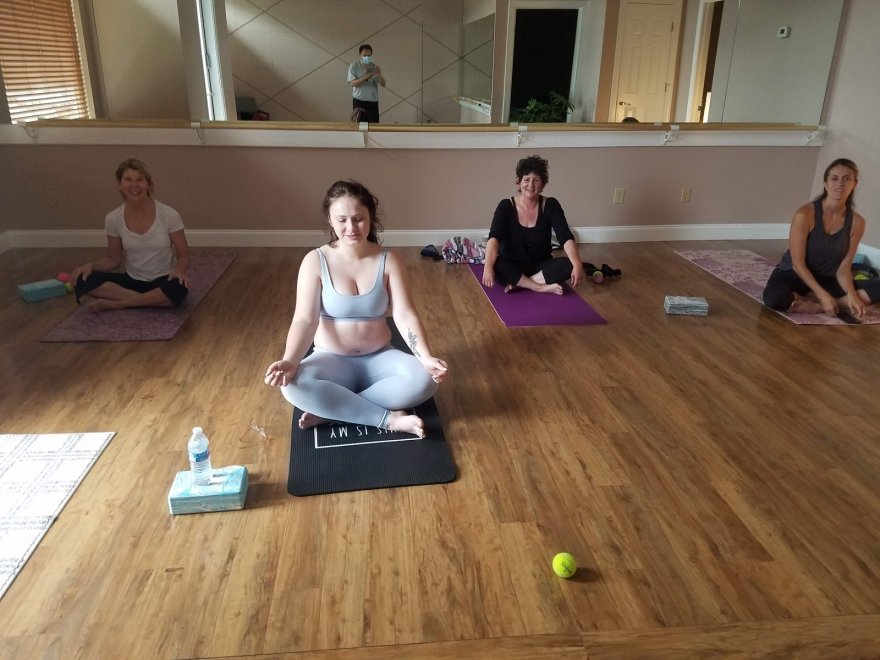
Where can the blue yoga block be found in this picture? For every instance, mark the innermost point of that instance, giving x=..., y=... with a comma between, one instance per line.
x=226, y=492
x=41, y=290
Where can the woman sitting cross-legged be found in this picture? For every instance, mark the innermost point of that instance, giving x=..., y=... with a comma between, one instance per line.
x=815, y=273
x=146, y=237
x=343, y=292
x=518, y=252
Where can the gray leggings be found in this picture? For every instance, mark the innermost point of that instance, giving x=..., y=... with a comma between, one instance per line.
x=359, y=389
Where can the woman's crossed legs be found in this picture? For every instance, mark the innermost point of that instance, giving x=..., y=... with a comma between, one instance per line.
x=372, y=390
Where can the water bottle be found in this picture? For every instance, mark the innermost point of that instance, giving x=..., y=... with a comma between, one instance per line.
x=199, y=458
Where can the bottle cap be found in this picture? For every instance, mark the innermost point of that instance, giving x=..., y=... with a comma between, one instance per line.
x=197, y=429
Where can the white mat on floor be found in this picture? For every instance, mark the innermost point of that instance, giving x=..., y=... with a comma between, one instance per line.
x=38, y=474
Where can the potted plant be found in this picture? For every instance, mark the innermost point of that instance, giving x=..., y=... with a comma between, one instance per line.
x=554, y=111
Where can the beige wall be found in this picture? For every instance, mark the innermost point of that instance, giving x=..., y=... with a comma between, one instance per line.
x=141, y=59
x=781, y=80
x=851, y=110
x=72, y=187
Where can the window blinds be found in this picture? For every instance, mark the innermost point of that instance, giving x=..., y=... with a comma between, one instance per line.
x=39, y=60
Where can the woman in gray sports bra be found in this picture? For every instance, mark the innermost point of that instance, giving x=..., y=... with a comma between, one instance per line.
x=815, y=273
x=343, y=292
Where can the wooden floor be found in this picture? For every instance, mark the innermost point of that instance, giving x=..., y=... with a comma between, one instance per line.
x=718, y=480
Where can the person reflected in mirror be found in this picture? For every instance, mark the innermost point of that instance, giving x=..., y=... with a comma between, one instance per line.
x=343, y=292
x=147, y=238
x=518, y=252
x=365, y=76
x=815, y=273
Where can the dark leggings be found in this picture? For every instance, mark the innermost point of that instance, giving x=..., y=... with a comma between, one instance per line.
x=172, y=288
x=555, y=270
x=783, y=284
x=370, y=108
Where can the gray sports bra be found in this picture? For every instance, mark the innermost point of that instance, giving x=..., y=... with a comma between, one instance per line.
x=367, y=306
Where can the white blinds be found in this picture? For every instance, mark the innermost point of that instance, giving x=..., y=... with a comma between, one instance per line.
x=39, y=59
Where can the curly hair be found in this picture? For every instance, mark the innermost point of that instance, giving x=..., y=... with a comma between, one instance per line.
x=533, y=165
x=358, y=191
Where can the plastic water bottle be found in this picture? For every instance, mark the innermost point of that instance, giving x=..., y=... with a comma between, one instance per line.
x=199, y=458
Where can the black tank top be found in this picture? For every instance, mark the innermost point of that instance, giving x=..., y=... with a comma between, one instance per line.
x=824, y=252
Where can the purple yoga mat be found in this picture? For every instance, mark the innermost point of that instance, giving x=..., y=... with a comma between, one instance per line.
x=527, y=309
x=146, y=324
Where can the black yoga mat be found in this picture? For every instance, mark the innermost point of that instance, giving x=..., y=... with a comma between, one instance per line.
x=338, y=457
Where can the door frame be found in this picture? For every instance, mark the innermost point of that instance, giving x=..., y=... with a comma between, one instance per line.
x=700, y=62
x=574, y=88
x=672, y=66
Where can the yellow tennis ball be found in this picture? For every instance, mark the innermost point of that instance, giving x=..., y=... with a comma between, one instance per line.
x=564, y=565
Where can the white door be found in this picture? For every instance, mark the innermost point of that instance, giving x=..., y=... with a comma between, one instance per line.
x=644, y=68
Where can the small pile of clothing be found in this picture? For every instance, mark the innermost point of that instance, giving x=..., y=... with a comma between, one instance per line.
x=457, y=250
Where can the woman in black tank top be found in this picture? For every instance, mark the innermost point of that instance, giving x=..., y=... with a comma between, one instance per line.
x=815, y=273
x=518, y=251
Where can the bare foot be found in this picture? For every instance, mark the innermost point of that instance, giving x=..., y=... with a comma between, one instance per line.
x=551, y=288
x=510, y=287
x=804, y=305
x=399, y=420
x=308, y=420
x=100, y=305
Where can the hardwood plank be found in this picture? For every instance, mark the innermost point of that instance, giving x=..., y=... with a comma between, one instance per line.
x=833, y=637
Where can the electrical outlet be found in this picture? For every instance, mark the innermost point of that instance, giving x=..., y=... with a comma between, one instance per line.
x=618, y=195
x=685, y=195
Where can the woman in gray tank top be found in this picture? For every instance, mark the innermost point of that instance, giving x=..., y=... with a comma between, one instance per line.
x=343, y=293
x=815, y=273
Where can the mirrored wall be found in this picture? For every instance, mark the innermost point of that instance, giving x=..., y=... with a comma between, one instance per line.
x=292, y=57
x=459, y=61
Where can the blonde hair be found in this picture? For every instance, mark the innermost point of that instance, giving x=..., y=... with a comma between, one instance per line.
x=137, y=166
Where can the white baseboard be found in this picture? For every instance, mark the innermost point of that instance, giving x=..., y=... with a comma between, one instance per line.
x=706, y=232
x=19, y=238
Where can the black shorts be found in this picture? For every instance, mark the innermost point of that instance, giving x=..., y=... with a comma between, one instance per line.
x=172, y=288
x=370, y=110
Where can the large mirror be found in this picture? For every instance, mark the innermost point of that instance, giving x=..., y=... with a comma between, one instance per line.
x=290, y=59
x=764, y=61
x=482, y=61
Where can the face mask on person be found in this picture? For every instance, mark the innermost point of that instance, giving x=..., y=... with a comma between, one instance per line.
x=367, y=59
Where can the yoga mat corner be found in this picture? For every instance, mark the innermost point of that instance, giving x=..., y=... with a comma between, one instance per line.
x=39, y=473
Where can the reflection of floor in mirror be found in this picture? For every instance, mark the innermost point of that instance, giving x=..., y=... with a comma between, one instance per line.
x=643, y=447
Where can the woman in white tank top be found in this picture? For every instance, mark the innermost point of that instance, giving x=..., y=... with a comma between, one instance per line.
x=147, y=238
